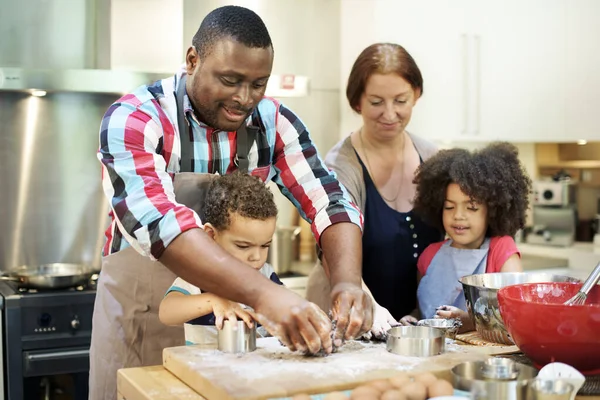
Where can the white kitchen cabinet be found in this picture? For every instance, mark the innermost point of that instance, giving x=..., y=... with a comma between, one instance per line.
x=519, y=49
x=583, y=70
x=492, y=70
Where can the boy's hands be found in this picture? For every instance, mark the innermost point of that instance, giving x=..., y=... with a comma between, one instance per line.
x=449, y=312
x=229, y=310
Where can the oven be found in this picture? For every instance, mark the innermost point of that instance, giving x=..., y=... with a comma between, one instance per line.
x=46, y=340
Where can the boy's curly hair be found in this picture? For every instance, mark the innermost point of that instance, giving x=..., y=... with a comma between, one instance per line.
x=493, y=176
x=238, y=193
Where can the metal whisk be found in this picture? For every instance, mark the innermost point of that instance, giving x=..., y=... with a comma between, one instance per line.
x=590, y=282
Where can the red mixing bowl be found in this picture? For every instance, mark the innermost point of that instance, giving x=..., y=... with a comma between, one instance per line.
x=548, y=331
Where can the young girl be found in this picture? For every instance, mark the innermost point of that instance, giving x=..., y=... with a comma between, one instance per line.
x=480, y=199
x=240, y=215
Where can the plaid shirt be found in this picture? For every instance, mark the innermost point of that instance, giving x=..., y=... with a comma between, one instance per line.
x=140, y=155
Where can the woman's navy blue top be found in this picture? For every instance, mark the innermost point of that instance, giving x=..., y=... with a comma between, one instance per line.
x=392, y=243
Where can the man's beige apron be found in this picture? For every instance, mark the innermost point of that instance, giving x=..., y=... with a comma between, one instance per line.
x=126, y=331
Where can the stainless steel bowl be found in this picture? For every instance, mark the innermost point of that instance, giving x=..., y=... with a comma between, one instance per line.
x=449, y=326
x=481, y=294
x=236, y=337
x=470, y=377
x=415, y=341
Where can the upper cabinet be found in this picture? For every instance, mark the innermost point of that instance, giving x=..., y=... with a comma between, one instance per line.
x=583, y=69
x=517, y=70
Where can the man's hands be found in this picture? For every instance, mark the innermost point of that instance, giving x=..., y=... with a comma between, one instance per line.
x=228, y=310
x=352, y=308
x=300, y=325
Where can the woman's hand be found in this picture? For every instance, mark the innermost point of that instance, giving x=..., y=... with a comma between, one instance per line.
x=229, y=310
x=408, y=320
x=382, y=322
x=451, y=312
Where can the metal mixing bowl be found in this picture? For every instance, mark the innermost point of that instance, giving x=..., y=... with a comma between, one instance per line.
x=481, y=292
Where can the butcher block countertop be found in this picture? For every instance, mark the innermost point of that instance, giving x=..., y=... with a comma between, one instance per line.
x=274, y=372
x=156, y=383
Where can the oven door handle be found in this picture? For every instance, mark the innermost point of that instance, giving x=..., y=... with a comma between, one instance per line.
x=57, y=355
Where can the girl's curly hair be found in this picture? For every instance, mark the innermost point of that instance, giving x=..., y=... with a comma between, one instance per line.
x=238, y=193
x=493, y=176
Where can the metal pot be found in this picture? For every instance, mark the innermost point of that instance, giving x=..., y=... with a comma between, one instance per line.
x=281, y=250
x=49, y=276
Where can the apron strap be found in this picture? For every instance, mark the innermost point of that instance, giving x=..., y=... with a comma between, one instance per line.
x=245, y=137
x=187, y=147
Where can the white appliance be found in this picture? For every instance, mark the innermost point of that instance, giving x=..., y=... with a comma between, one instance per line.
x=553, y=193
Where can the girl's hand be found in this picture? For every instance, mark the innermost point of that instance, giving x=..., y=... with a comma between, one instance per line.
x=228, y=310
x=451, y=312
x=408, y=320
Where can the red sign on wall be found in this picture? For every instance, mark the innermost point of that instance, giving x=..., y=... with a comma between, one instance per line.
x=287, y=82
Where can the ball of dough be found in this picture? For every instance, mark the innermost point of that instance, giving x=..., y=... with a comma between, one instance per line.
x=393, y=394
x=400, y=380
x=335, y=396
x=382, y=385
x=415, y=391
x=440, y=388
x=365, y=392
x=426, y=378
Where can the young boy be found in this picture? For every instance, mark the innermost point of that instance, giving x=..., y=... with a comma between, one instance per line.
x=240, y=215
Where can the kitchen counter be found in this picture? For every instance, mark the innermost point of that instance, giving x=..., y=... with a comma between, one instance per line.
x=581, y=258
x=156, y=383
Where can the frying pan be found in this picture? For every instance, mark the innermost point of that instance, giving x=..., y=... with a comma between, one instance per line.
x=49, y=276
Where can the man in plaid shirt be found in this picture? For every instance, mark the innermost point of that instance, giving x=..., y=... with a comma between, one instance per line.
x=159, y=146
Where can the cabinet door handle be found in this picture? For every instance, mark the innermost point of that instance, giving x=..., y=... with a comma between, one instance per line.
x=465, y=51
x=477, y=84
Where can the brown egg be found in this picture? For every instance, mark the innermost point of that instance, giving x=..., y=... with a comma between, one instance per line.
x=393, y=394
x=440, y=388
x=400, y=380
x=415, y=391
x=301, y=397
x=365, y=392
x=426, y=378
x=382, y=385
x=335, y=396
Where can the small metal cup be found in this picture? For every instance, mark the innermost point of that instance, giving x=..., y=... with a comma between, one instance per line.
x=236, y=337
x=416, y=341
x=499, y=369
x=550, y=389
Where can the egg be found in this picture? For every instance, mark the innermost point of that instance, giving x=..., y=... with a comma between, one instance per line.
x=393, y=394
x=365, y=392
x=301, y=397
x=335, y=396
x=415, y=391
x=440, y=388
x=382, y=385
x=400, y=380
x=426, y=378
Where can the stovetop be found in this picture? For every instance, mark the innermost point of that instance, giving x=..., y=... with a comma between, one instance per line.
x=11, y=292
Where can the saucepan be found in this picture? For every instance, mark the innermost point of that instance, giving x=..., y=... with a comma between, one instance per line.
x=49, y=276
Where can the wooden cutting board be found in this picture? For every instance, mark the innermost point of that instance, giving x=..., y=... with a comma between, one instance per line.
x=272, y=371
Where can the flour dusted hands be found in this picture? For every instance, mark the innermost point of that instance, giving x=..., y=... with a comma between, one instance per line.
x=382, y=322
x=352, y=308
x=299, y=324
x=229, y=310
